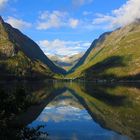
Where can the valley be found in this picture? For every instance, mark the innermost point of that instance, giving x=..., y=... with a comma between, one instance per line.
x=114, y=56
x=69, y=70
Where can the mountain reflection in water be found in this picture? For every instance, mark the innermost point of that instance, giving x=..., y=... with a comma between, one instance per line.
x=66, y=119
x=82, y=111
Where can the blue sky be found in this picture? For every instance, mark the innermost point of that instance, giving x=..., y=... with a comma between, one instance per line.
x=67, y=27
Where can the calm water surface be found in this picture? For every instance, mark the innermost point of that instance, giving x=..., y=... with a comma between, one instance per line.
x=73, y=111
x=66, y=118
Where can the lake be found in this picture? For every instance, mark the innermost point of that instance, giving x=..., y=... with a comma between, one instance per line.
x=55, y=110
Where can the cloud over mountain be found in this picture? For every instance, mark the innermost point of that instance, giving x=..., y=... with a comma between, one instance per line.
x=126, y=14
x=62, y=47
x=18, y=23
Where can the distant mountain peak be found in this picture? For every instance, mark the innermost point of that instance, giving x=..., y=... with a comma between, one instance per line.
x=66, y=62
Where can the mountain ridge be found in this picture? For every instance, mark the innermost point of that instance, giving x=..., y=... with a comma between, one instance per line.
x=66, y=62
x=116, y=58
x=94, y=44
x=114, y=55
x=14, y=43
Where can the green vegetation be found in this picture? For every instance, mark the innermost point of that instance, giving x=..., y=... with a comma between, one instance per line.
x=116, y=57
x=20, y=57
x=21, y=66
x=15, y=99
x=115, y=107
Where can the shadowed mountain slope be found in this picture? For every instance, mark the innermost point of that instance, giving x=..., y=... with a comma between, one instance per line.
x=115, y=55
x=17, y=48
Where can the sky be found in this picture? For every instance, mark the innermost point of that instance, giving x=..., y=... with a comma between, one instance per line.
x=67, y=27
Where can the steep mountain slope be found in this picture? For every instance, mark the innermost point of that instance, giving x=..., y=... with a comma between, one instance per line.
x=95, y=43
x=66, y=62
x=19, y=55
x=117, y=56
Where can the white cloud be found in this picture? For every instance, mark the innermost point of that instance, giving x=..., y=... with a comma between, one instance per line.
x=18, y=23
x=81, y=2
x=126, y=14
x=61, y=47
x=56, y=19
x=73, y=22
x=63, y=113
x=51, y=19
x=2, y=3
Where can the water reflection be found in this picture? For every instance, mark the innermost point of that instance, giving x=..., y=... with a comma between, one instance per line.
x=67, y=119
x=15, y=99
x=73, y=110
x=63, y=108
x=119, y=115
